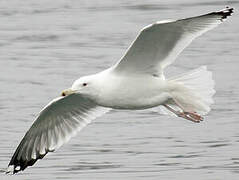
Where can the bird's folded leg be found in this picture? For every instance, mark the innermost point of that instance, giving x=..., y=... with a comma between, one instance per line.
x=191, y=116
x=194, y=115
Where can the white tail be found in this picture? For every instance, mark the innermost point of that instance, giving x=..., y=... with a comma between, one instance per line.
x=193, y=91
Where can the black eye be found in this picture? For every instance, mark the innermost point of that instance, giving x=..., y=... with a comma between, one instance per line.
x=84, y=84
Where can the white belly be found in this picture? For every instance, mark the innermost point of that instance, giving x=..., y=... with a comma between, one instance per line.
x=136, y=103
x=133, y=92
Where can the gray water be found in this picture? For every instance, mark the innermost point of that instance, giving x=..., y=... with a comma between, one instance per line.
x=45, y=45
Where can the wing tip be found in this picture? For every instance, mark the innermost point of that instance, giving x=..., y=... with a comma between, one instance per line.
x=224, y=13
x=17, y=165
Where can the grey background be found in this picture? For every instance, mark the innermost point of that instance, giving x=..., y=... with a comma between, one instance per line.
x=45, y=45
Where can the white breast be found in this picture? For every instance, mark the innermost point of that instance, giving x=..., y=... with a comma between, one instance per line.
x=131, y=92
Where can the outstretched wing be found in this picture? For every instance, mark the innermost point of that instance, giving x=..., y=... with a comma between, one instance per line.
x=158, y=45
x=61, y=119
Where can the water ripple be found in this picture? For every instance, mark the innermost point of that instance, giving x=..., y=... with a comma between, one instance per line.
x=38, y=37
x=93, y=166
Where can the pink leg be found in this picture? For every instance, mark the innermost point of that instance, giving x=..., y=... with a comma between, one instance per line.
x=192, y=116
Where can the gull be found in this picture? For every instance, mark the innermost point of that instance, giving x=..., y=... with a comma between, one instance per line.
x=135, y=82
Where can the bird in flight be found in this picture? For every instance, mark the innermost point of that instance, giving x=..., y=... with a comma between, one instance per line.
x=135, y=82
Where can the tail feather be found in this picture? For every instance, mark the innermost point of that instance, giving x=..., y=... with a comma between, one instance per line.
x=194, y=90
x=200, y=81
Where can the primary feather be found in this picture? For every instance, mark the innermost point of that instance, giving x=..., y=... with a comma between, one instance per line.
x=61, y=119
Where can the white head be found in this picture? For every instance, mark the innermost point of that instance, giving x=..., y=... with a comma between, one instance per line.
x=85, y=86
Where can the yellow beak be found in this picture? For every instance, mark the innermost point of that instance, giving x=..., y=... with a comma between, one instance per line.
x=67, y=92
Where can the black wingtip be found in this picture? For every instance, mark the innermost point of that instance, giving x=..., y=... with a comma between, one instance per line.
x=224, y=13
x=21, y=165
x=18, y=163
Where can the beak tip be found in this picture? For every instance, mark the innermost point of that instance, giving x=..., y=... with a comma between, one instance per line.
x=67, y=92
